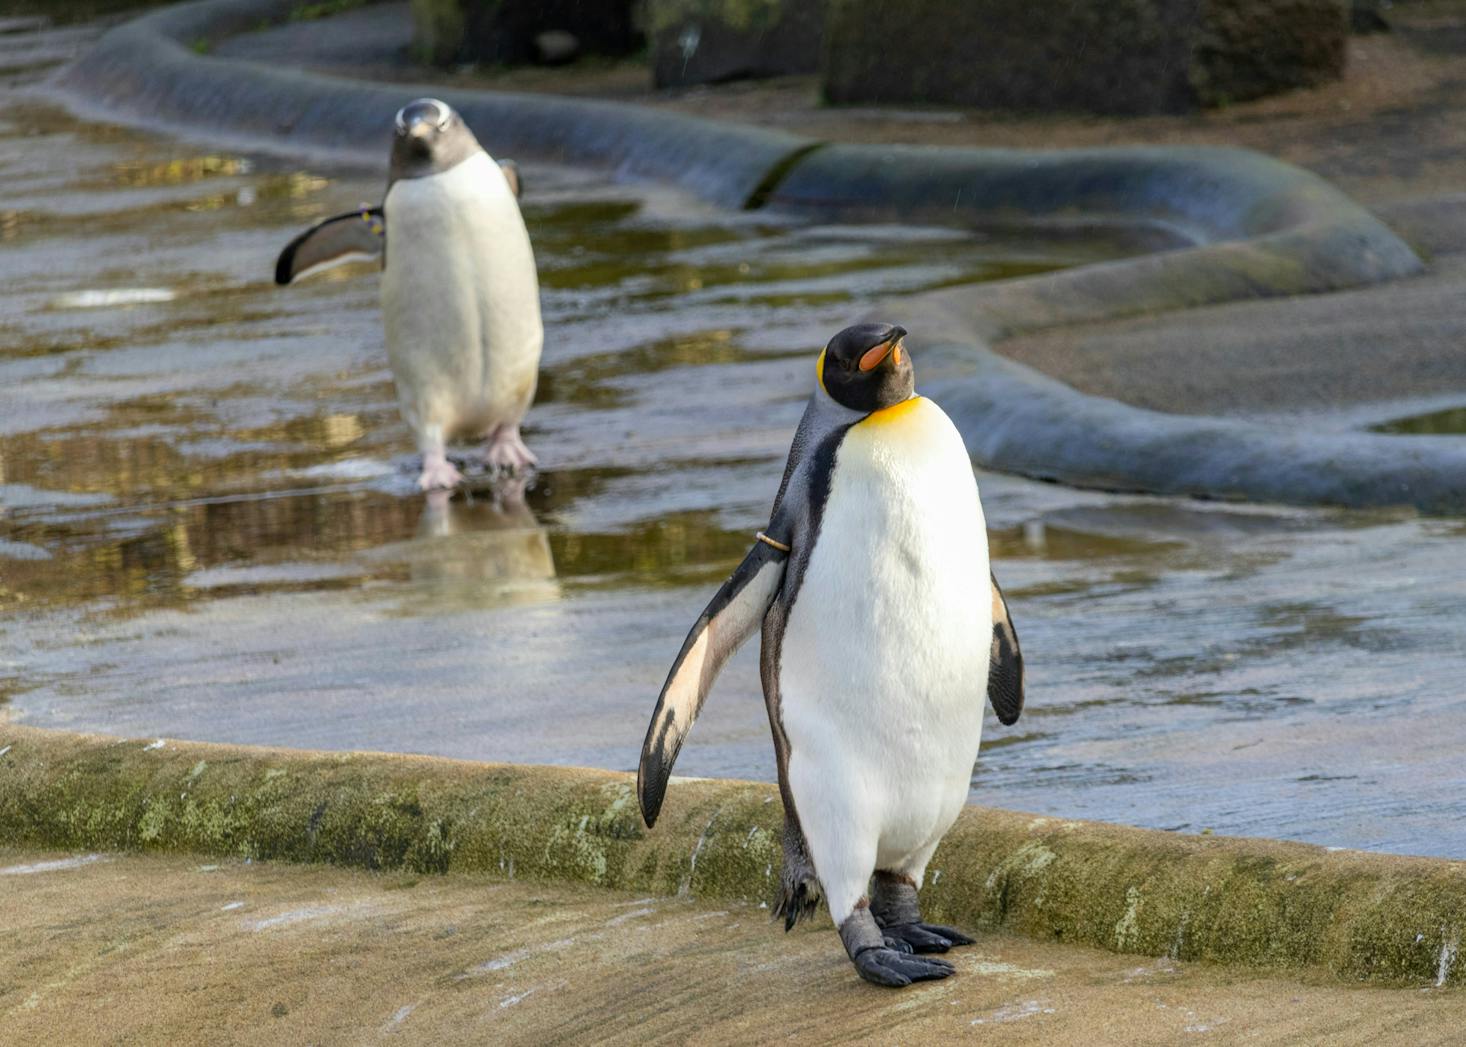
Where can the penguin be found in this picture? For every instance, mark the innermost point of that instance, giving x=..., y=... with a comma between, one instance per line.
x=460, y=295
x=883, y=628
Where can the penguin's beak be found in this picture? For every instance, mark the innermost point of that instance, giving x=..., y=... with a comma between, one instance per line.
x=874, y=357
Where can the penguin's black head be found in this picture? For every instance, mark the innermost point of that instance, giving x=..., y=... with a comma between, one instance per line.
x=430, y=138
x=866, y=368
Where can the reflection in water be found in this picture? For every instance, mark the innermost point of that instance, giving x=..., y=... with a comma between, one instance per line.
x=476, y=549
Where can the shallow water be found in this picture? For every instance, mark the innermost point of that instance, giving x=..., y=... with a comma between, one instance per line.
x=208, y=527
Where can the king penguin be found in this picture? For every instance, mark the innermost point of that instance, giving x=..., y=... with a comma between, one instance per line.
x=883, y=630
x=460, y=296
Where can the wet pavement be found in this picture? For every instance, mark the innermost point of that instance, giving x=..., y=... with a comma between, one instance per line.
x=208, y=527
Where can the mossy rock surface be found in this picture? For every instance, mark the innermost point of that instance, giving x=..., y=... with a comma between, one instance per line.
x=1241, y=901
x=1108, y=56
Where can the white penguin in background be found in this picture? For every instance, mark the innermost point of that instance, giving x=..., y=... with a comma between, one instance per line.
x=883, y=632
x=460, y=296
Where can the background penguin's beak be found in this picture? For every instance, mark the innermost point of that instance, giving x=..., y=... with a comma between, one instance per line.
x=418, y=135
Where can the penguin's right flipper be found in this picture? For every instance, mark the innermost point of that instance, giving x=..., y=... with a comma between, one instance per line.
x=513, y=177
x=357, y=236
x=1005, y=668
x=735, y=612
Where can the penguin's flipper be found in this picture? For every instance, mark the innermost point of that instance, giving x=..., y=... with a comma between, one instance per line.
x=1005, y=670
x=735, y=612
x=513, y=177
x=357, y=236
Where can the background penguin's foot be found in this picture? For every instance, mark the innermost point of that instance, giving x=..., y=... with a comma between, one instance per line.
x=506, y=451
x=438, y=473
x=510, y=490
x=884, y=966
x=923, y=937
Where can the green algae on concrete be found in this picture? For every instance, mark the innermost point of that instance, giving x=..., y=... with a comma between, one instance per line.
x=1230, y=900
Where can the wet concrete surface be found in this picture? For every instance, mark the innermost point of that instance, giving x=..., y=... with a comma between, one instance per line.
x=179, y=949
x=208, y=527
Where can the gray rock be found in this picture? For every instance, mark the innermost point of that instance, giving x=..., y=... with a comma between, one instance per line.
x=1106, y=56
x=449, y=32
x=556, y=47
x=711, y=41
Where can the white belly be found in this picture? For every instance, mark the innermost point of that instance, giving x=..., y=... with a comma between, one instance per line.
x=885, y=654
x=460, y=300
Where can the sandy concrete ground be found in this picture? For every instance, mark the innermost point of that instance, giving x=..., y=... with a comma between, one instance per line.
x=166, y=949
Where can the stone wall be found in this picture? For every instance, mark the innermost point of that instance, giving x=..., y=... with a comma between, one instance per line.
x=709, y=41
x=1106, y=56
x=448, y=32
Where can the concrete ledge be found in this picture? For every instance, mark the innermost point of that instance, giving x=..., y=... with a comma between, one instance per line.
x=1230, y=900
x=1234, y=224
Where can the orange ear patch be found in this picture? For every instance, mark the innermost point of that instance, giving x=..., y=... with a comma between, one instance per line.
x=872, y=357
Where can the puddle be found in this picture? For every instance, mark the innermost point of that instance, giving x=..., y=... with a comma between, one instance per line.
x=208, y=526
x=1450, y=422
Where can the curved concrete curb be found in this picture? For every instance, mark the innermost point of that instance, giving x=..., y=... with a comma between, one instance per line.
x=1246, y=226
x=1236, y=225
x=151, y=69
x=1231, y=900
x=1017, y=420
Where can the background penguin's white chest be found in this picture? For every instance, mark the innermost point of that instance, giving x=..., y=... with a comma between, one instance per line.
x=884, y=661
x=460, y=298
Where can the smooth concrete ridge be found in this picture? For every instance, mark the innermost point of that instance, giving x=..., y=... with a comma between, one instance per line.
x=1015, y=419
x=156, y=70
x=1221, y=225
x=1240, y=901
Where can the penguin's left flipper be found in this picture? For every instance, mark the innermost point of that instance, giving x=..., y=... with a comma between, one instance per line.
x=513, y=177
x=735, y=612
x=1005, y=669
x=357, y=236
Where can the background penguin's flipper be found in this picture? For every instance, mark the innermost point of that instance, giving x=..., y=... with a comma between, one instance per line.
x=513, y=177
x=1005, y=671
x=357, y=236
x=731, y=618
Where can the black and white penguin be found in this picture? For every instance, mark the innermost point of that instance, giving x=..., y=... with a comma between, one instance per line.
x=460, y=296
x=883, y=630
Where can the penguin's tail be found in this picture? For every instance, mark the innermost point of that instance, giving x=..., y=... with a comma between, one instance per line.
x=799, y=888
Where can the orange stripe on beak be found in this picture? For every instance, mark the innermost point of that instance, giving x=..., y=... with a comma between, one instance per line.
x=874, y=357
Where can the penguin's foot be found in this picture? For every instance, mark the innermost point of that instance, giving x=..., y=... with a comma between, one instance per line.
x=506, y=451
x=438, y=473
x=884, y=966
x=923, y=937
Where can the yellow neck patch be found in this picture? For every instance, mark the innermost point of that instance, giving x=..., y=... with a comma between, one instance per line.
x=819, y=372
x=895, y=413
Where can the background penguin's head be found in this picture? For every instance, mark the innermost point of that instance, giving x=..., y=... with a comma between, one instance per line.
x=430, y=138
x=866, y=368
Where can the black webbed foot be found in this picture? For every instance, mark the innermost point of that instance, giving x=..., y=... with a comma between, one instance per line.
x=883, y=966
x=923, y=937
